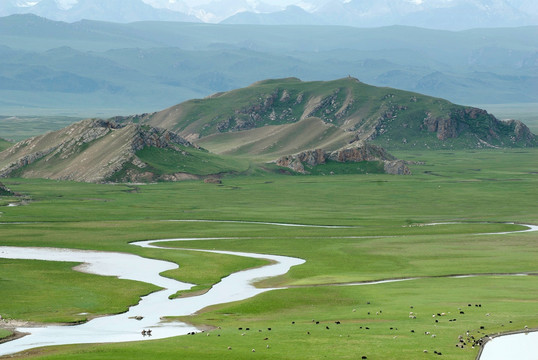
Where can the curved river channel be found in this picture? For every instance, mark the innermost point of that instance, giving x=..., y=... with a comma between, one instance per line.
x=152, y=308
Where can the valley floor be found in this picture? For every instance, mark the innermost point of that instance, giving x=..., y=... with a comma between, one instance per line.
x=381, y=235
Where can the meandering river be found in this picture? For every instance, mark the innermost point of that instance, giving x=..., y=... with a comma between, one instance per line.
x=152, y=308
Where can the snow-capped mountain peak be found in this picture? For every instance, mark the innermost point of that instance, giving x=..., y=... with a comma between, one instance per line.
x=441, y=14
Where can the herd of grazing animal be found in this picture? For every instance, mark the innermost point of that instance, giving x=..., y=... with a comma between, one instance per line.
x=462, y=341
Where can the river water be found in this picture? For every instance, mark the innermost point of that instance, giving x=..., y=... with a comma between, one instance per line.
x=152, y=308
x=123, y=327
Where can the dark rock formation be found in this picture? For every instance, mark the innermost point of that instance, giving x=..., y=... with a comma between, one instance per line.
x=357, y=153
x=396, y=167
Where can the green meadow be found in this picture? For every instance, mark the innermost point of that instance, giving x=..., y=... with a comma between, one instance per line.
x=383, y=234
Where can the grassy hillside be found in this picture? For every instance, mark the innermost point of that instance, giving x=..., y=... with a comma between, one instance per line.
x=98, y=150
x=275, y=117
x=388, y=239
x=189, y=160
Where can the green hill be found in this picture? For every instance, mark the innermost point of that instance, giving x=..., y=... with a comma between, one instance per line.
x=278, y=117
x=308, y=127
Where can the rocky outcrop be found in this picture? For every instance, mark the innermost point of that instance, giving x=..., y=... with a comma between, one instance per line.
x=396, y=167
x=91, y=151
x=444, y=127
x=353, y=153
x=485, y=128
x=160, y=138
x=520, y=132
x=361, y=153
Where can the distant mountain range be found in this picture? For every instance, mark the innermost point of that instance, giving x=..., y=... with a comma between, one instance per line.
x=93, y=68
x=434, y=14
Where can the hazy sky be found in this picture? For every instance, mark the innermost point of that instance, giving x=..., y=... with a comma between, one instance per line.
x=282, y=3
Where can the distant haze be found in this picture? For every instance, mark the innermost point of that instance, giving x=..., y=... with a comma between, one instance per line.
x=434, y=14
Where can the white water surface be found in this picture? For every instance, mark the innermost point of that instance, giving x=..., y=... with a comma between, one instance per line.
x=522, y=346
x=122, y=327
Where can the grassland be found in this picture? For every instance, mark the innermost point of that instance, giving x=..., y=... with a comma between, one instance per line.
x=18, y=128
x=484, y=190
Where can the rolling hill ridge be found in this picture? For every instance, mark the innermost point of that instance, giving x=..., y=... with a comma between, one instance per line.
x=96, y=150
x=340, y=126
x=286, y=116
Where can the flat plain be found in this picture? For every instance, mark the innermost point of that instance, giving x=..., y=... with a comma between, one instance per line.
x=385, y=234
